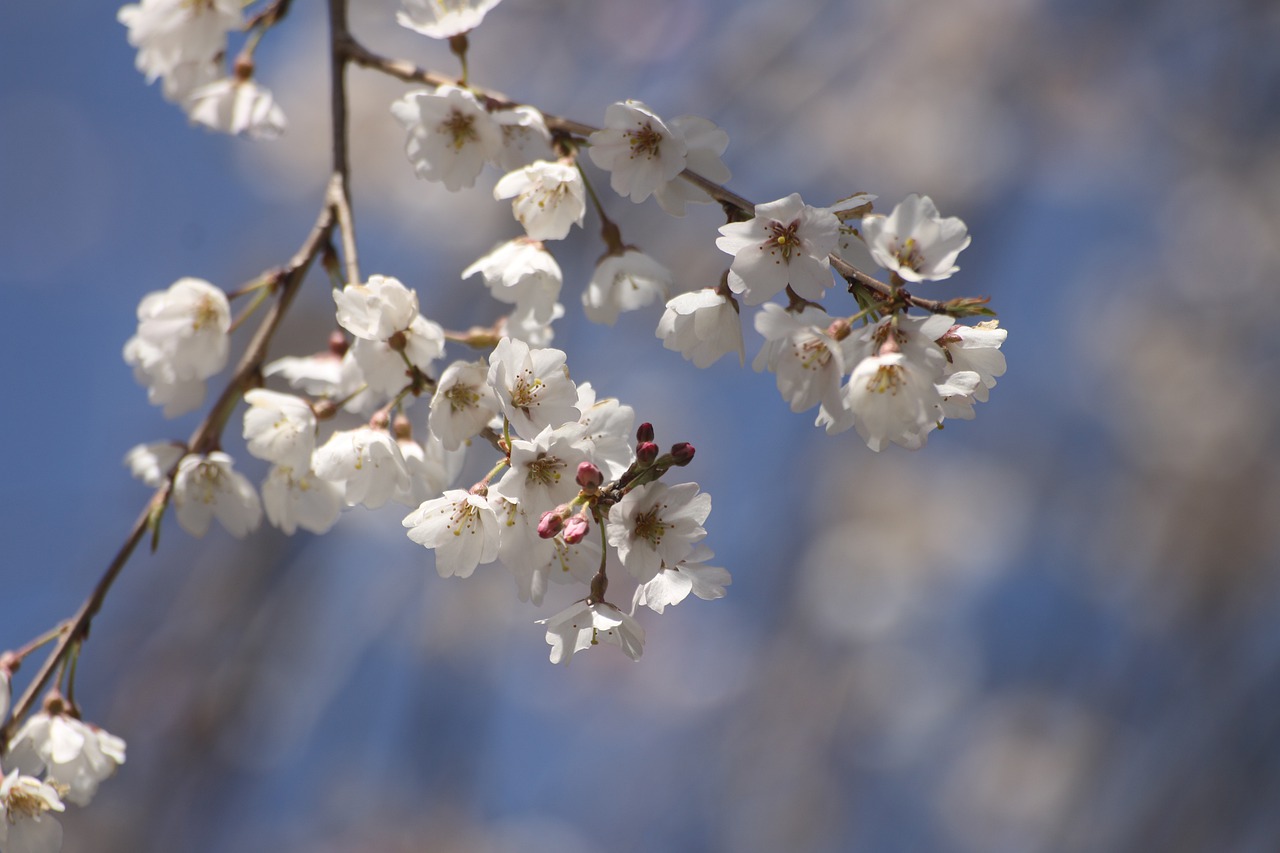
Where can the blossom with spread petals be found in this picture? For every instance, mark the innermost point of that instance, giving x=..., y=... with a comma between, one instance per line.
x=638, y=150
x=170, y=34
x=463, y=403
x=914, y=241
x=976, y=348
x=460, y=527
x=672, y=584
x=451, y=136
x=585, y=624
x=656, y=524
x=525, y=137
x=296, y=498
x=533, y=387
x=799, y=349
x=206, y=487
x=786, y=244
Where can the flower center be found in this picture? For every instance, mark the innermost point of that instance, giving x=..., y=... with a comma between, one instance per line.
x=645, y=142
x=462, y=397
x=545, y=470
x=887, y=378
x=908, y=254
x=649, y=527
x=524, y=393
x=784, y=238
x=461, y=128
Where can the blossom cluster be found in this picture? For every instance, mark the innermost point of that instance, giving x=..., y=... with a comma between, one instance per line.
x=182, y=44
x=570, y=463
x=52, y=759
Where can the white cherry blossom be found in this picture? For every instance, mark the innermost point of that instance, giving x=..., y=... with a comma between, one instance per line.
x=914, y=241
x=280, y=428
x=68, y=752
x=656, y=524
x=605, y=432
x=638, y=150
x=463, y=403
x=523, y=273
x=432, y=469
x=976, y=348
x=377, y=309
x=368, y=463
x=542, y=470
x=584, y=624
x=383, y=366
x=624, y=282
x=460, y=527
x=533, y=387
x=236, y=106
x=182, y=339
x=798, y=348
x=451, y=136
x=206, y=487
x=442, y=19
x=702, y=326
x=26, y=825
x=172, y=33
x=672, y=584
x=891, y=399
x=525, y=137
x=786, y=244
x=549, y=198
x=704, y=144
x=296, y=498
x=152, y=462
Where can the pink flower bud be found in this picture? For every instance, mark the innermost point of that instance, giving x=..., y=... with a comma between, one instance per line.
x=646, y=452
x=644, y=433
x=550, y=523
x=682, y=453
x=589, y=476
x=575, y=529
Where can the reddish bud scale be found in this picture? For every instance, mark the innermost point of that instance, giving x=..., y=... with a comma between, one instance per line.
x=589, y=476
x=549, y=525
x=646, y=452
x=682, y=453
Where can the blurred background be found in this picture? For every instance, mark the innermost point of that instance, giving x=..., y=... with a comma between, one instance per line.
x=1055, y=628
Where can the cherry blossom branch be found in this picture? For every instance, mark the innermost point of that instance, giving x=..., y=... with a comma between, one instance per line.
x=734, y=204
x=287, y=280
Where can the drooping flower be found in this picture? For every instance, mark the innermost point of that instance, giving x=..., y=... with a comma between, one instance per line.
x=638, y=150
x=786, y=244
x=25, y=823
x=236, y=106
x=523, y=273
x=702, y=326
x=525, y=137
x=451, y=136
x=170, y=34
x=463, y=403
x=280, y=428
x=624, y=282
x=914, y=241
x=368, y=463
x=182, y=339
x=442, y=19
x=585, y=624
x=704, y=144
x=206, y=487
x=656, y=524
x=296, y=498
x=549, y=198
x=377, y=309
x=69, y=753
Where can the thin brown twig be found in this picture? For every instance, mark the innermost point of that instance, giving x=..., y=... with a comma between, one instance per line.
x=335, y=212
